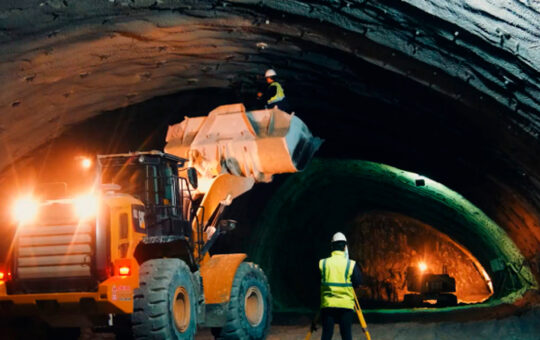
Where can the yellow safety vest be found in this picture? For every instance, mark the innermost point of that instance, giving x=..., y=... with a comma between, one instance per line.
x=336, y=285
x=279, y=93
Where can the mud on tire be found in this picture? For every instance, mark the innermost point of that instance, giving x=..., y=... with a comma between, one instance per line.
x=164, y=305
x=250, y=309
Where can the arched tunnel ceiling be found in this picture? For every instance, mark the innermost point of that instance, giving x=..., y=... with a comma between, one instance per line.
x=69, y=60
x=467, y=70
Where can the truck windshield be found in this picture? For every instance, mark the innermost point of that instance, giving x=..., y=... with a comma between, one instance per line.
x=132, y=180
x=145, y=182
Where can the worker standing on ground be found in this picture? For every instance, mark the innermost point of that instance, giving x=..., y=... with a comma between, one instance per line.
x=339, y=276
x=274, y=94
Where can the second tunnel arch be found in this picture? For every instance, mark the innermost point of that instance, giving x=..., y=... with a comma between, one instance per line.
x=309, y=206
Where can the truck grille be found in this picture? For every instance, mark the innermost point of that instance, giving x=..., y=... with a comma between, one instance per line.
x=54, y=251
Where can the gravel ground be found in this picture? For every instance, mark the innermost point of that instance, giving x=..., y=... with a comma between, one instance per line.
x=517, y=327
x=521, y=325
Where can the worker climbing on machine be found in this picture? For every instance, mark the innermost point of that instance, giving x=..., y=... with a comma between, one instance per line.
x=274, y=96
x=339, y=277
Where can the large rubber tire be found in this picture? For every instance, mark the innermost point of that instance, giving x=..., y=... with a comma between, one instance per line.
x=250, y=309
x=165, y=304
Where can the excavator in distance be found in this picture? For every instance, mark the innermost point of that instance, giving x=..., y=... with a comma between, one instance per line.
x=138, y=244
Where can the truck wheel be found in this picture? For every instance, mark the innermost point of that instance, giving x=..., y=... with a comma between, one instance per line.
x=164, y=305
x=446, y=300
x=250, y=308
x=412, y=300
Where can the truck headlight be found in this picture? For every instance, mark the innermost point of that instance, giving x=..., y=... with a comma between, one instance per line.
x=86, y=206
x=25, y=209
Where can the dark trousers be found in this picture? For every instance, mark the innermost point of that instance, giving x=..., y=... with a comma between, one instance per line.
x=283, y=105
x=341, y=316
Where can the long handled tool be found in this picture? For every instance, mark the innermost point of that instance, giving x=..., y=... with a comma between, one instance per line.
x=313, y=327
x=360, y=316
x=308, y=335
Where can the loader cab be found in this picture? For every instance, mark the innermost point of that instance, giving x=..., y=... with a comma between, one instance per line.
x=151, y=177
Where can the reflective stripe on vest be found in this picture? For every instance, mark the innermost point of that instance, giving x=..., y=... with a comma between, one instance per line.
x=336, y=285
x=279, y=93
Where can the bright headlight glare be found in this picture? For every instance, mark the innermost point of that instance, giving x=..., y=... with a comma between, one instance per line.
x=25, y=209
x=86, y=206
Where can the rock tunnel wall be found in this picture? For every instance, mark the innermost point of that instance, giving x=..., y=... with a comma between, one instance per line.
x=67, y=51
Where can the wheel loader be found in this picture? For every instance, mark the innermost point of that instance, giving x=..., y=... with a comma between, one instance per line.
x=137, y=243
x=428, y=286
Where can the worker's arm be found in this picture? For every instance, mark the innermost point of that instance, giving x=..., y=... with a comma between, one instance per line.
x=269, y=93
x=356, y=277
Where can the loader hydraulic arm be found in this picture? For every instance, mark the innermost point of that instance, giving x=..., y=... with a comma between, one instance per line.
x=232, y=149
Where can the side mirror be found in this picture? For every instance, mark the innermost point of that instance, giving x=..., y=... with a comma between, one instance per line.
x=227, y=225
x=192, y=177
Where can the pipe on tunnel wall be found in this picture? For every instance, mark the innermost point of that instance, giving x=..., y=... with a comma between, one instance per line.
x=310, y=206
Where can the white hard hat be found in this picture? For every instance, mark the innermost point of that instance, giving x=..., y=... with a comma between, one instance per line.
x=339, y=237
x=270, y=73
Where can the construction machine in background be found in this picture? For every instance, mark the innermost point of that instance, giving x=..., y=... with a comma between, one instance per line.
x=138, y=243
x=426, y=287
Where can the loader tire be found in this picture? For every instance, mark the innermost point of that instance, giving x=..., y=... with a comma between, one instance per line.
x=164, y=305
x=250, y=308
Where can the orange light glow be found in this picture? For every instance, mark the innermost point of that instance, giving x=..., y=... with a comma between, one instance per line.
x=124, y=271
x=422, y=266
x=4, y=277
x=86, y=206
x=86, y=163
x=25, y=209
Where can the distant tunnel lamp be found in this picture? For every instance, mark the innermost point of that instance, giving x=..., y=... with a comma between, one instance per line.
x=422, y=266
x=86, y=163
x=25, y=209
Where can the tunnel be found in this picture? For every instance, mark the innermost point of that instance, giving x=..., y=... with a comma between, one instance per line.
x=429, y=111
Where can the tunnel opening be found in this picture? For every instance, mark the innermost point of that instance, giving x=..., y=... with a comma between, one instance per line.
x=387, y=244
x=341, y=195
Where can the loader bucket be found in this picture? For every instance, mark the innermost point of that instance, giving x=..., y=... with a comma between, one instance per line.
x=255, y=144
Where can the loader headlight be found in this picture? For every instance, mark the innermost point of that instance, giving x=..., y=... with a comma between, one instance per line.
x=25, y=209
x=86, y=206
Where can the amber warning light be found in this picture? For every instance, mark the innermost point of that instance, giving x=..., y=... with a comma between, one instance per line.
x=4, y=275
x=124, y=271
x=123, y=267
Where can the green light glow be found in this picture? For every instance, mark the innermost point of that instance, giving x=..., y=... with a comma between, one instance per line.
x=313, y=204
